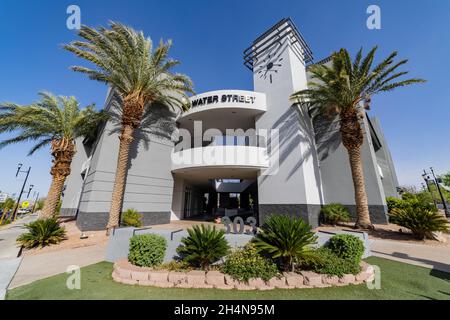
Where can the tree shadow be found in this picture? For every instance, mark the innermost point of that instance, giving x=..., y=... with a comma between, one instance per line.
x=318, y=137
x=439, y=269
x=158, y=125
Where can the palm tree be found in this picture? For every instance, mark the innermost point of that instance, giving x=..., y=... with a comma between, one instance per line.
x=340, y=90
x=140, y=75
x=54, y=121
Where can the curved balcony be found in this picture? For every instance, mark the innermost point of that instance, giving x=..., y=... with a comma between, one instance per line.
x=220, y=159
x=224, y=107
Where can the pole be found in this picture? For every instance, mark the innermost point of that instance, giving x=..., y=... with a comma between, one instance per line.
x=20, y=194
x=424, y=176
x=35, y=201
x=444, y=203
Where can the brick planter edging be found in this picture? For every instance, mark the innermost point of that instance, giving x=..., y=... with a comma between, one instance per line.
x=125, y=272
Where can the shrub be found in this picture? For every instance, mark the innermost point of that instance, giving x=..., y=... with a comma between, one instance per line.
x=335, y=213
x=347, y=247
x=408, y=196
x=147, y=250
x=41, y=233
x=286, y=239
x=415, y=203
x=6, y=221
x=325, y=261
x=421, y=221
x=244, y=264
x=393, y=203
x=203, y=246
x=132, y=218
x=174, y=266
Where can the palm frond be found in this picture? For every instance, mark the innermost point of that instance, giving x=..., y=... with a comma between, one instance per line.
x=126, y=60
x=345, y=84
x=52, y=117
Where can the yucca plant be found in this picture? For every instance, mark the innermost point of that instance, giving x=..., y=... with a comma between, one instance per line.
x=203, y=246
x=421, y=221
x=285, y=238
x=41, y=233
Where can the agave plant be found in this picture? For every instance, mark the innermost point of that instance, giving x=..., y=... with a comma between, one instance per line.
x=421, y=221
x=285, y=238
x=203, y=246
x=41, y=233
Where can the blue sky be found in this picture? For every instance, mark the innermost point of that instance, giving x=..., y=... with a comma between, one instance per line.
x=209, y=37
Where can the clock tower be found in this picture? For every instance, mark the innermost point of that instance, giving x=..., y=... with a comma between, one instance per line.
x=292, y=184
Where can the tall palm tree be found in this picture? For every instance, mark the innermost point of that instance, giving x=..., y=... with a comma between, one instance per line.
x=140, y=75
x=54, y=121
x=341, y=90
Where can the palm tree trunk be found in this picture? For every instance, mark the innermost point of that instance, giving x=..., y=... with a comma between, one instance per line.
x=63, y=151
x=362, y=207
x=3, y=215
x=126, y=137
x=53, y=196
x=352, y=139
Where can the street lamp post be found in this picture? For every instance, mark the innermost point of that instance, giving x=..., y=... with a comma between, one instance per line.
x=426, y=178
x=35, y=202
x=19, y=166
x=444, y=203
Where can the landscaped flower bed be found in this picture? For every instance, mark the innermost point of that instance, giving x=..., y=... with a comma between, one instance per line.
x=125, y=272
x=280, y=255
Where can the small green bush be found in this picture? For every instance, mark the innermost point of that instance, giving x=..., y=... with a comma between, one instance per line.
x=421, y=221
x=393, y=203
x=203, y=246
x=285, y=239
x=174, y=265
x=408, y=196
x=147, y=250
x=6, y=221
x=347, y=247
x=244, y=264
x=325, y=261
x=41, y=233
x=132, y=218
x=335, y=213
x=410, y=202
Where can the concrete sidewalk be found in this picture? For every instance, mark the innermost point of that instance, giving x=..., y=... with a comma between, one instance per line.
x=43, y=265
x=433, y=257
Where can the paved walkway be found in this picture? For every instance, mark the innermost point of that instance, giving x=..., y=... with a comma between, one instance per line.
x=43, y=265
x=9, y=262
x=433, y=257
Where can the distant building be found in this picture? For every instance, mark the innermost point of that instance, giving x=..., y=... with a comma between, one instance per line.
x=279, y=163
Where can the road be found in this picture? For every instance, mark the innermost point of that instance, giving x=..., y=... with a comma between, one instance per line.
x=9, y=262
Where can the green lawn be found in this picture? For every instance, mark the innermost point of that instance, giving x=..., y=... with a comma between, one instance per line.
x=398, y=281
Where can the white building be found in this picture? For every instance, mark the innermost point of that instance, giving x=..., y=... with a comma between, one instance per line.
x=278, y=162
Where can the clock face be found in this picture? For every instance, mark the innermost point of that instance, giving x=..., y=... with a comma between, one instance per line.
x=271, y=62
